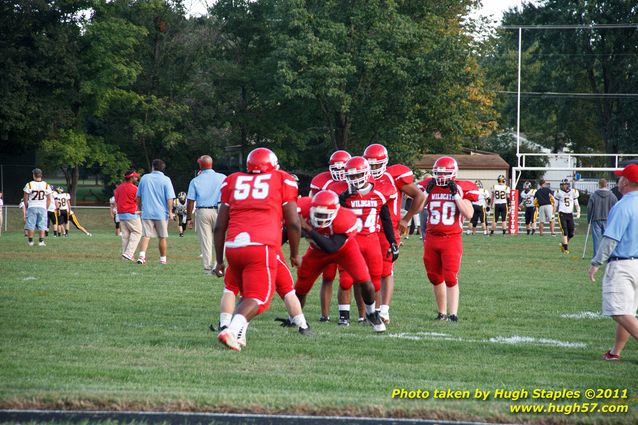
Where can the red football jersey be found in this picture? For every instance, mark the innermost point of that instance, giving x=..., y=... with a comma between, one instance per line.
x=401, y=174
x=345, y=222
x=443, y=215
x=367, y=207
x=255, y=205
x=320, y=182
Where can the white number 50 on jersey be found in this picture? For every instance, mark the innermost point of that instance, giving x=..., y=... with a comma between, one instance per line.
x=444, y=212
x=255, y=185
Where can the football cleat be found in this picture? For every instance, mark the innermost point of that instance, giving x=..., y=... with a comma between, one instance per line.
x=343, y=321
x=227, y=338
x=441, y=316
x=385, y=318
x=609, y=356
x=377, y=157
x=163, y=261
x=357, y=172
x=324, y=319
x=261, y=160
x=306, y=331
x=42, y=243
x=453, y=318
x=375, y=321
x=30, y=243
x=337, y=165
x=323, y=208
x=444, y=170
x=241, y=339
x=141, y=260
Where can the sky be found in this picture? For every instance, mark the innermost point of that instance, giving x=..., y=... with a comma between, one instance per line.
x=493, y=8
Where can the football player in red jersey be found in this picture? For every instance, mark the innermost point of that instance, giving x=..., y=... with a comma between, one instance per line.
x=331, y=231
x=447, y=202
x=368, y=199
x=402, y=178
x=322, y=181
x=248, y=225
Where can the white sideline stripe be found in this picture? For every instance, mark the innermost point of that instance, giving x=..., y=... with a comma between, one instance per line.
x=513, y=340
x=328, y=419
x=583, y=315
x=30, y=278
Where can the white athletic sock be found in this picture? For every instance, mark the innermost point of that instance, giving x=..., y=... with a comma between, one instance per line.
x=142, y=254
x=300, y=320
x=370, y=308
x=344, y=307
x=237, y=324
x=224, y=319
x=163, y=258
x=385, y=309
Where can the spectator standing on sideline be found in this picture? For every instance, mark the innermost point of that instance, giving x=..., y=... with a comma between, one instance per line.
x=126, y=204
x=616, y=192
x=114, y=216
x=155, y=196
x=204, y=193
x=597, y=211
x=544, y=200
x=37, y=198
x=619, y=247
x=1, y=211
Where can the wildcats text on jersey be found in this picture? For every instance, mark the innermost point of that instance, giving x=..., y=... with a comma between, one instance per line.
x=441, y=197
x=364, y=203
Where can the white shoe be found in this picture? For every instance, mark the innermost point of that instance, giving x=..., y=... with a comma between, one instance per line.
x=385, y=318
x=126, y=257
x=241, y=340
x=30, y=243
x=227, y=338
x=42, y=244
x=376, y=322
x=141, y=260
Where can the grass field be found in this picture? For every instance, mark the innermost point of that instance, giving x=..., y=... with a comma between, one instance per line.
x=82, y=329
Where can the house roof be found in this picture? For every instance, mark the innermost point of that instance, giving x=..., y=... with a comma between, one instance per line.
x=466, y=162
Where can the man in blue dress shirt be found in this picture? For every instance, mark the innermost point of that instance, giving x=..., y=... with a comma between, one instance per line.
x=204, y=194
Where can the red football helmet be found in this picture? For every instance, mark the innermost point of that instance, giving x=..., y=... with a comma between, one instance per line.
x=357, y=172
x=444, y=170
x=337, y=164
x=261, y=160
x=323, y=208
x=377, y=156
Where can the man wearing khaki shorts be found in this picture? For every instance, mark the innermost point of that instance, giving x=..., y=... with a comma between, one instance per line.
x=155, y=196
x=619, y=247
x=544, y=200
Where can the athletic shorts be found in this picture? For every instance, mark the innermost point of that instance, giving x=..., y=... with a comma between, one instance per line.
x=500, y=210
x=53, y=217
x=36, y=219
x=545, y=214
x=254, y=270
x=154, y=228
x=63, y=217
x=530, y=215
x=479, y=215
x=620, y=288
x=348, y=258
x=388, y=265
x=442, y=258
x=371, y=251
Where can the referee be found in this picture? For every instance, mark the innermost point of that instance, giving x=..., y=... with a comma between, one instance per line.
x=619, y=247
x=204, y=194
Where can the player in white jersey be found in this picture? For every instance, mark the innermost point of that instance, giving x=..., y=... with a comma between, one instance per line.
x=500, y=199
x=179, y=209
x=63, y=201
x=114, y=217
x=566, y=202
x=480, y=206
x=37, y=198
x=52, y=213
x=527, y=202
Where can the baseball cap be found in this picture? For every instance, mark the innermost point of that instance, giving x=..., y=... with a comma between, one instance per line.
x=131, y=173
x=630, y=172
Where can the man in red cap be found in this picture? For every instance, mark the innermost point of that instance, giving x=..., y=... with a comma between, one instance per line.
x=619, y=247
x=130, y=224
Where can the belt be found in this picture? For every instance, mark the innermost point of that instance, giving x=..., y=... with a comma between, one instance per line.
x=621, y=259
x=207, y=208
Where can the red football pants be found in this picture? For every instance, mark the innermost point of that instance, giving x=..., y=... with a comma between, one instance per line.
x=442, y=258
x=252, y=271
x=371, y=251
x=348, y=258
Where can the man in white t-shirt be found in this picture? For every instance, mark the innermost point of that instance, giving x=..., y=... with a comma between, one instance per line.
x=37, y=198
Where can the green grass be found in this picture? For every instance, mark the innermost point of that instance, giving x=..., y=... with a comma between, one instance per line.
x=80, y=328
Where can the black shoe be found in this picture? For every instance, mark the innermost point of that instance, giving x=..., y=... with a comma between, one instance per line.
x=306, y=332
x=441, y=316
x=344, y=318
x=181, y=235
x=212, y=328
x=453, y=318
x=324, y=319
x=375, y=321
x=285, y=323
